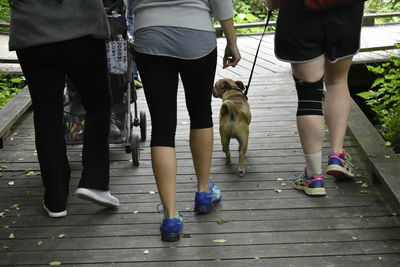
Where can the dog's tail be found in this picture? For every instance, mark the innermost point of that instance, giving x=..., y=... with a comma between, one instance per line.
x=228, y=107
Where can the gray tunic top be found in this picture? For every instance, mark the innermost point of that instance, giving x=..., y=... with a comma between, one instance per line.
x=192, y=14
x=36, y=22
x=175, y=42
x=178, y=28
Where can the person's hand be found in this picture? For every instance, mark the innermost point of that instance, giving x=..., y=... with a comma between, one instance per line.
x=231, y=56
x=272, y=4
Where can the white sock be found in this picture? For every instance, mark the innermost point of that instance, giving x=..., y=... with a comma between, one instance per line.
x=313, y=163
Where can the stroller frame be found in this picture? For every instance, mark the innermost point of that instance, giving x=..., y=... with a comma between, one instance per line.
x=123, y=94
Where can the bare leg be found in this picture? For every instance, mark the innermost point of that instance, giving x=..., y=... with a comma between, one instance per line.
x=164, y=167
x=201, y=146
x=337, y=101
x=310, y=127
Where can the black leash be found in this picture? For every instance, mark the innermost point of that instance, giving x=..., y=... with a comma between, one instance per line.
x=258, y=49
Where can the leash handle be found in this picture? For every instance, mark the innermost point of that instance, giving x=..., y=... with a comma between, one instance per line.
x=258, y=49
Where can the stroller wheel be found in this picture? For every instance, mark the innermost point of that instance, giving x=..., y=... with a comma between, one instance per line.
x=135, y=149
x=142, y=124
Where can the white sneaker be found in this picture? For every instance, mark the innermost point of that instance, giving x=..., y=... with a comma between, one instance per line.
x=55, y=214
x=103, y=198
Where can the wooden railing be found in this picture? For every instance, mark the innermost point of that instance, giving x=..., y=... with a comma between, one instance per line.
x=368, y=20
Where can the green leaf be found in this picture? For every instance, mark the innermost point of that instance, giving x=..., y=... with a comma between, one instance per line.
x=366, y=95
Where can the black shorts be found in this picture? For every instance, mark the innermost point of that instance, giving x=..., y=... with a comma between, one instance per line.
x=303, y=36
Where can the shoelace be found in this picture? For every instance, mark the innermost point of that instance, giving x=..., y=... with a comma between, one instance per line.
x=347, y=161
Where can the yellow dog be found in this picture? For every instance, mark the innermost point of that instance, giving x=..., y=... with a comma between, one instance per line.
x=234, y=118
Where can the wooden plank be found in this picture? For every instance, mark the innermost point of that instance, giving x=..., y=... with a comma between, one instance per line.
x=89, y=229
x=238, y=239
x=387, y=260
x=212, y=252
x=13, y=110
x=321, y=203
x=93, y=218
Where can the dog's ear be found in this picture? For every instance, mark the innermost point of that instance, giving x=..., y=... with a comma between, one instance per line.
x=226, y=86
x=240, y=85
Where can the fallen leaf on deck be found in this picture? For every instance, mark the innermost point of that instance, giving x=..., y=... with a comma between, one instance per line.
x=11, y=183
x=15, y=206
x=387, y=157
x=222, y=221
x=186, y=236
x=55, y=263
x=146, y=252
x=6, y=226
x=387, y=143
x=2, y=167
x=152, y=192
x=219, y=241
x=257, y=258
x=32, y=173
x=283, y=184
x=380, y=258
x=277, y=190
x=135, y=212
x=39, y=243
x=11, y=236
x=359, y=182
x=364, y=185
x=61, y=235
x=2, y=214
x=354, y=238
x=368, y=192
x=280, y=179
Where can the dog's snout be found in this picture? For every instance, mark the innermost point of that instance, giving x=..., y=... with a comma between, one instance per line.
x=214, y=92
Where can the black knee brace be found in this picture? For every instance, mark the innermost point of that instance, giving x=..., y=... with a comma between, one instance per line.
x=309, y=97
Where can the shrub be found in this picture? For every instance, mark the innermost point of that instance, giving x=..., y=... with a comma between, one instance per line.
x=384, y=100
x=10, y=85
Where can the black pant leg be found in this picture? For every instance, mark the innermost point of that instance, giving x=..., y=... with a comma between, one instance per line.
x=198, y=80
x=159, y=75
x=46, y=78
x=87, y=68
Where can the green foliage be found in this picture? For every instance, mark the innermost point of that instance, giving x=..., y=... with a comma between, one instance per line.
x=384, y=100
x=4, y=11
x=383, y=6
x=247, y=11
x=10, y=85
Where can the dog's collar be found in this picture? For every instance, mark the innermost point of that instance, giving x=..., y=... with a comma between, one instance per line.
x=237, y=89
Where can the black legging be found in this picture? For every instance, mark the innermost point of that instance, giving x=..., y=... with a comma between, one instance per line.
x=159, y=75
x=45, y=68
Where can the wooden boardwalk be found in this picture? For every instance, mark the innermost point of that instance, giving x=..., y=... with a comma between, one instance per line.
x=262, y=220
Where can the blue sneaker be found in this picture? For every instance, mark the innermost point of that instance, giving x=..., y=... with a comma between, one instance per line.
x=205, y=201
x=339, y=165
x=311, y=185
x=170, y=228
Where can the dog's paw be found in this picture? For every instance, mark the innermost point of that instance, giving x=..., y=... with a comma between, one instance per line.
x=241, y=172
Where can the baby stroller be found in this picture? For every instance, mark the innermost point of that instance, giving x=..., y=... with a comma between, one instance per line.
x=120, y=60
